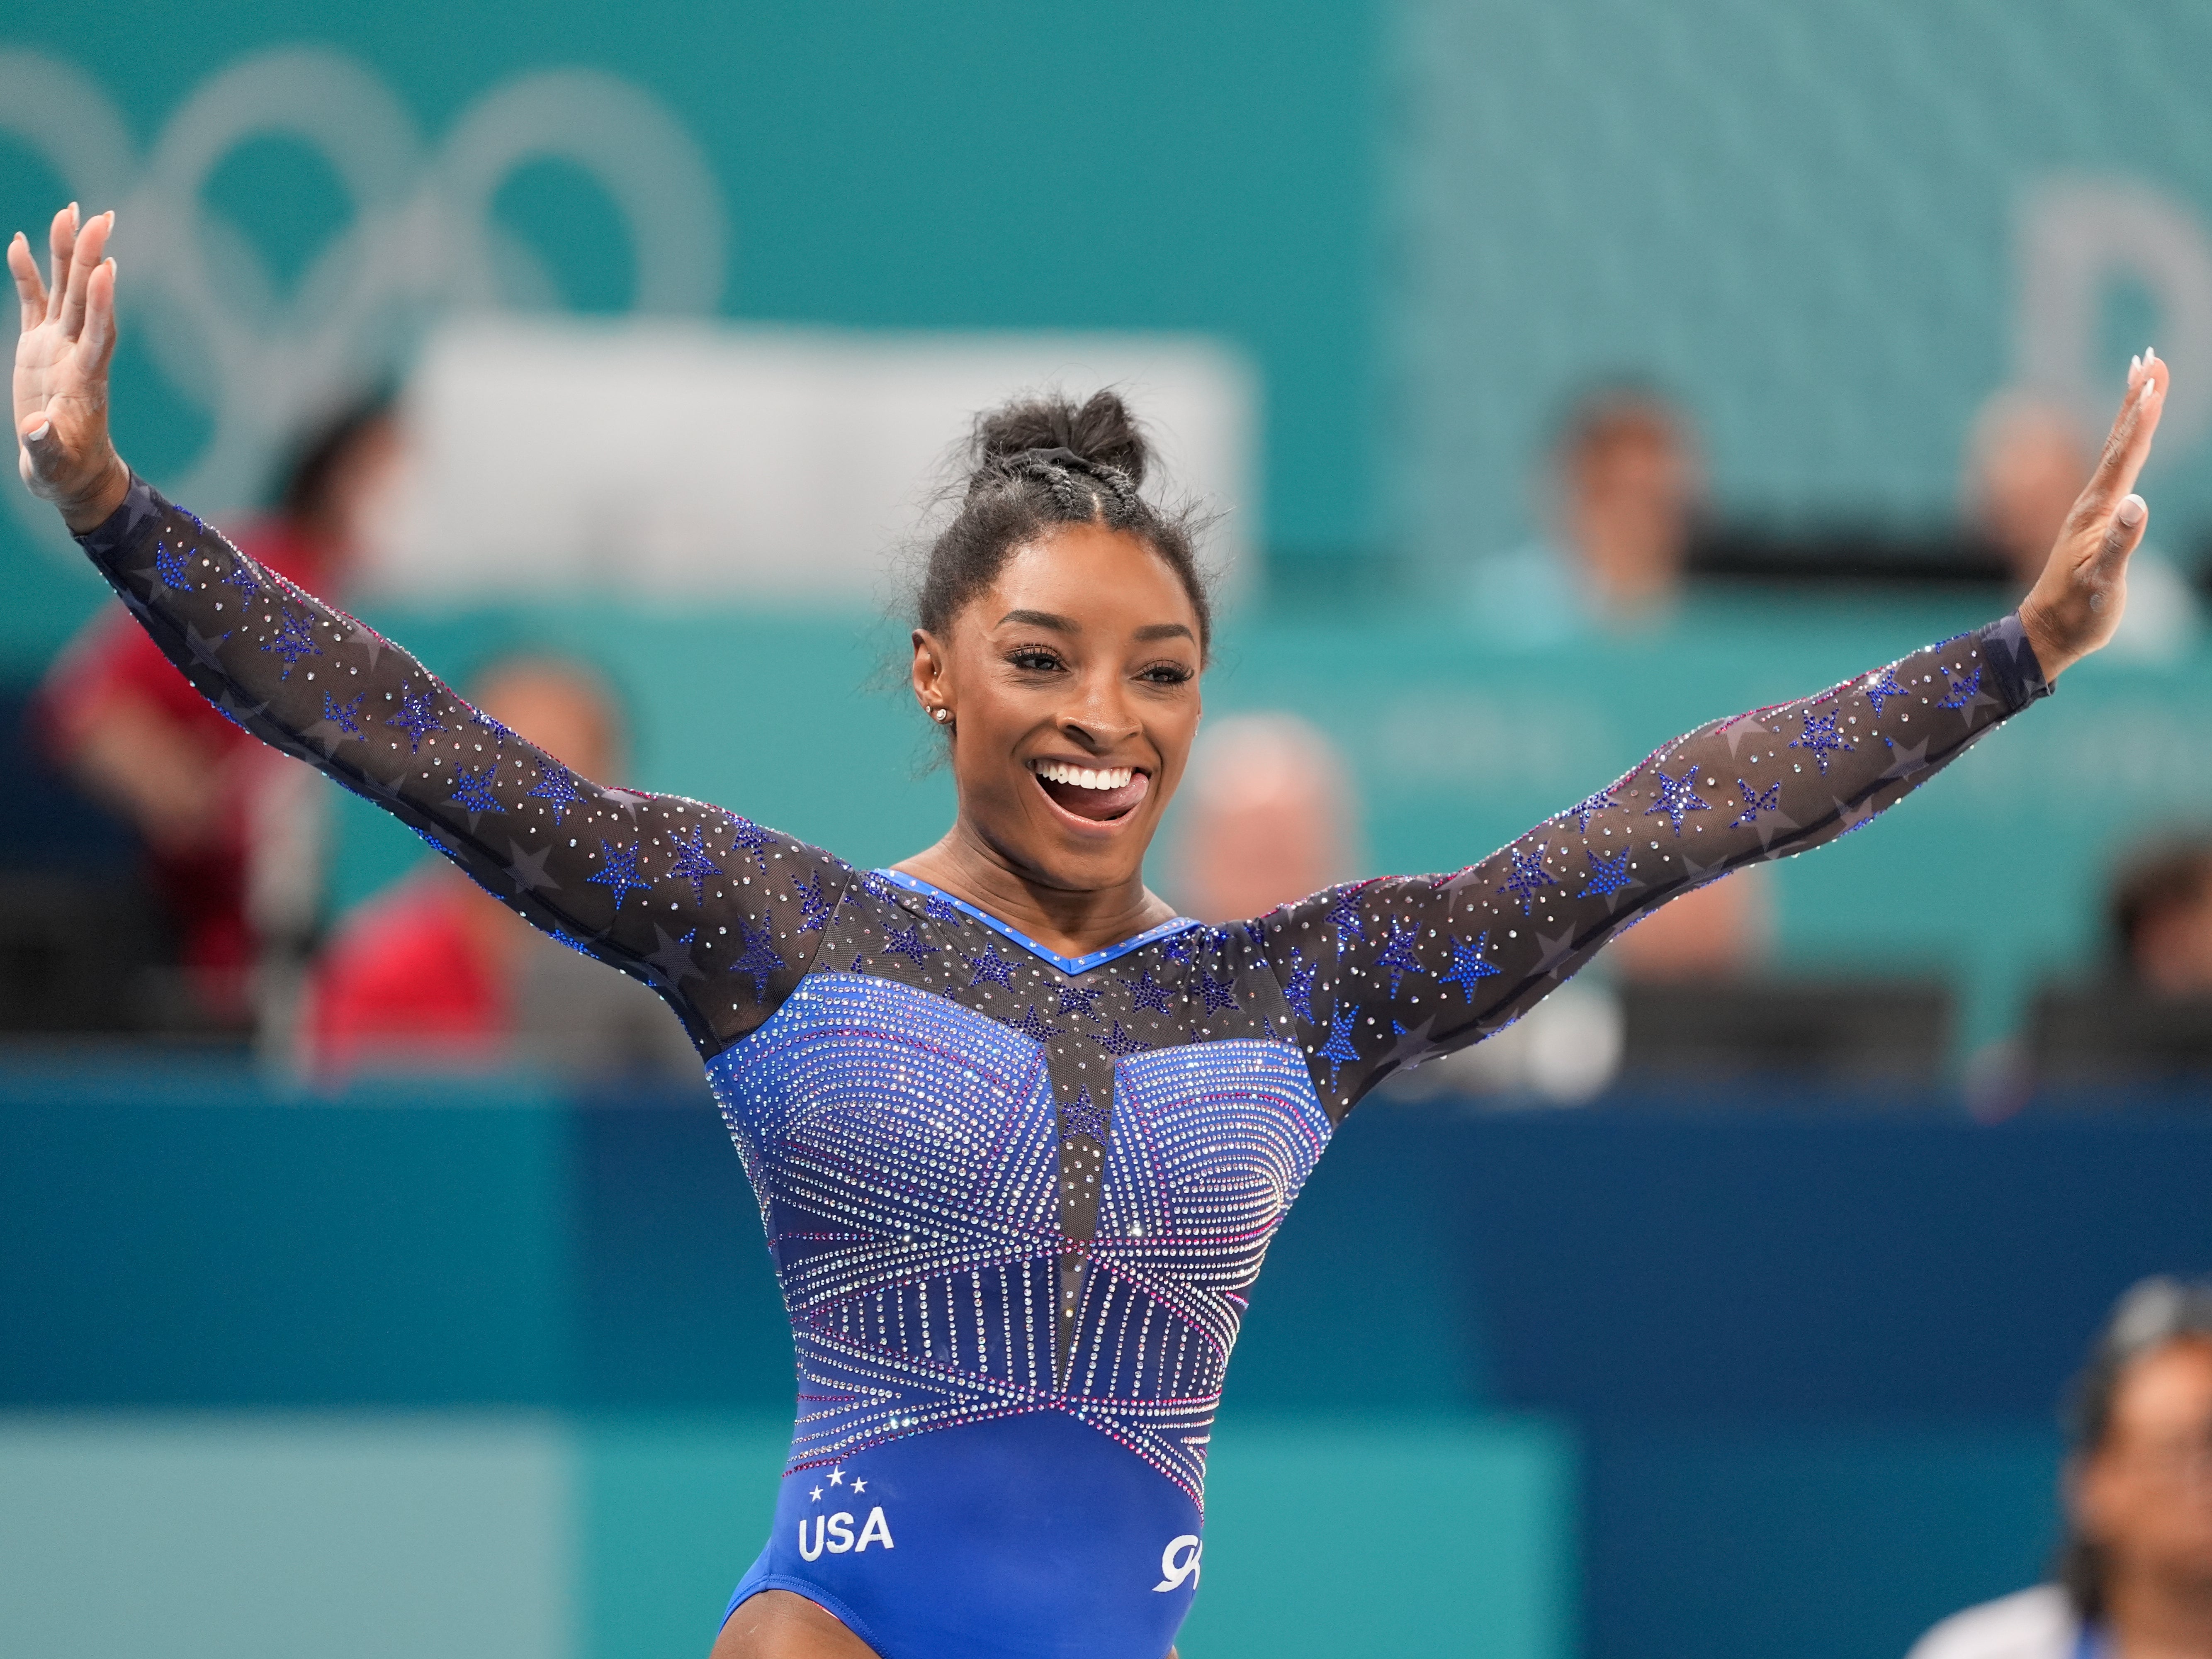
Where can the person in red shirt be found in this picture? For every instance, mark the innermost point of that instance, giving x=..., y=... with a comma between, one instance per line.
x=228, y=838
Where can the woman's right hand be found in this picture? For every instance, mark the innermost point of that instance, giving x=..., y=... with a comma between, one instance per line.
x=62, y=440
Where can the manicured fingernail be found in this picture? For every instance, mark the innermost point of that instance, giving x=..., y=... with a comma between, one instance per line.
x=2150, y=354
x=2131, y=510
x=2135, y=365
x=36, y=434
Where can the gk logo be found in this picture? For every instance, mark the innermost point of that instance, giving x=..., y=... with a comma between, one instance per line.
x=1178, y=1562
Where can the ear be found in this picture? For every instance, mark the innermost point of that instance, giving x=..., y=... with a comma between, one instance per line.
x=929, y=661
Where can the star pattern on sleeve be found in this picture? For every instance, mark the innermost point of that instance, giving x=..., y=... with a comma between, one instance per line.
x=1881, y=685
x=618, y=871
x=473, y=792
x=1346, y=915
x=1400, y=952
x=814, y=907
x=558, y=786
x=295, y=638
x=1822, y=738
x=907, y=942
x=1525, y=876
x=1582, y=812
x=751, y=838
x=1469, y=968
x=693, y=864
x=757, y=956
x=417, y=717
x=1338, y=1050
x=1608, y=876
x=1676, y=797
x=1297, y=988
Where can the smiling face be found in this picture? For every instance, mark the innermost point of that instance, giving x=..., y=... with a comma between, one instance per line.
x=1073, y=681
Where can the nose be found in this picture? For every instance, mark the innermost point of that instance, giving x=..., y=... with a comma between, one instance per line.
x=1101, y=716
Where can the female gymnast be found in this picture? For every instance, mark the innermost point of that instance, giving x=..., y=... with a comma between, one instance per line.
x=1019, y=1134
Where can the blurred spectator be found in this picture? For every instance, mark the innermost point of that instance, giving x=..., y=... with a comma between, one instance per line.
x=2027, y=460
x=2150, y=1015
x=1624, y=493
x=433, y=973
x=1267, y=817
x=2136, y=1570
x=2161, y=919
x=228, y=825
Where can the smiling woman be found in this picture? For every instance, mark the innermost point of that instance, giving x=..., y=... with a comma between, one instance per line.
x=1019, y=1134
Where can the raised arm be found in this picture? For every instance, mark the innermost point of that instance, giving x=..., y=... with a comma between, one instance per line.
x=717, y=913
x=1386, y=974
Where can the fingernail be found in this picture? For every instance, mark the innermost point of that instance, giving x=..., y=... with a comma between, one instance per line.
x=2135, y=365
x=2150, y=354
x=36, y=434
x=2131, y=510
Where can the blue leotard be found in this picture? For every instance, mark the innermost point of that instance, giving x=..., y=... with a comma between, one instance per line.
x=1017, y=1201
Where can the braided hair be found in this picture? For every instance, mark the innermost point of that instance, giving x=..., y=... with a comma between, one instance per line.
x=1041, y=461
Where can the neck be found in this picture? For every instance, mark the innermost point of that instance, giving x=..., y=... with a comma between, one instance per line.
x=2159, y=1616
x=1073, y=921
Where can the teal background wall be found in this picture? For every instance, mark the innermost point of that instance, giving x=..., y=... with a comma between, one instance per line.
x=1806, y=220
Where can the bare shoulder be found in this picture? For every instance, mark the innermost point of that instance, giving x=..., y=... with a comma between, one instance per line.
x=2035, y=1624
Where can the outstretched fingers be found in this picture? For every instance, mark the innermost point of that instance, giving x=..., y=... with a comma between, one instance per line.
x=84, y=260
x=62, y=239
x=100, y=318
x=28, y=289
x=2128, y=445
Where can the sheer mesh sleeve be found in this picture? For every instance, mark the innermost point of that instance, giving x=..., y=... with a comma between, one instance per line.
x=1389, y=973
x=717, y=913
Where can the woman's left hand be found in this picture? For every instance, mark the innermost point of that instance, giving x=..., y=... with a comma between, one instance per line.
x=2076, y=604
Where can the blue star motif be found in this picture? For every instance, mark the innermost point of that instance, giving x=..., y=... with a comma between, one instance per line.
x=1179, y=948
x=1822, y=737
x=1074, y=999
x=757, y=958
x=1677, y=797
x=240, y=576
x=557, y=785
x=170, y=564
x=1032, y=1025
x=749, y=836
x=618, y=870
x=1963, y=691
x=813, y=903
x=1607, y=875
x=1885, y=686
x=1757, y=801
x=1083, y=1117
x=1297, y=990
x=1528, y=876
x=907, y=942
x=1583, y=811
x=295, y=638
x=1215, y=991
x=1121, y=1042
x=1338, y=1050
x=472, y=790
x=346, y=715
x=1148, y=995
x=417, y=719
x=1344, y=913
x=938, y=907
x=692, y=864
x=991, y=966
x=1469, y=968
x=1398, y=953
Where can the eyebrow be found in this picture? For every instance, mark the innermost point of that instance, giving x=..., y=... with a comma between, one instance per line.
x=1060, y=624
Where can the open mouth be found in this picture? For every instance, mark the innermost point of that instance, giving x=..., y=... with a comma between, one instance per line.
x=1097, y=794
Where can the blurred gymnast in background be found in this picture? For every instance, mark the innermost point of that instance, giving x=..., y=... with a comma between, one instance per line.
x=1019, y=1134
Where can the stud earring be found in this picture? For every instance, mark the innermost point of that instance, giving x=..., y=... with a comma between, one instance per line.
x=942, y=716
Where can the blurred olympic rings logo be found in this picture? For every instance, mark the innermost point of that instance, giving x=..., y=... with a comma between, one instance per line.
x=422, y=239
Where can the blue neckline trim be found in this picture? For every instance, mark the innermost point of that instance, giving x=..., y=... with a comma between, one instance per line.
x=1066, y=964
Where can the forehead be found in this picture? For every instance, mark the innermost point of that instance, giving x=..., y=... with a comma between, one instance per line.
x=1102, y=578
x=2168, y=1389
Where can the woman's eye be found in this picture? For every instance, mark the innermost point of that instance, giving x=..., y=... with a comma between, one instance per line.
x=1166, y=673
x=1042, y=662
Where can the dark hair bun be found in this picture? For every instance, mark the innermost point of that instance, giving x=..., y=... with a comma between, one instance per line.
x=1101, y=431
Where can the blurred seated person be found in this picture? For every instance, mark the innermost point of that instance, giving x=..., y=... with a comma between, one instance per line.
x=1623, y=494
x=2027, y=460
x=223, y=818
x=1266, y=816
x=2152, y=1012
x=433, y=973
x=2136, y=1570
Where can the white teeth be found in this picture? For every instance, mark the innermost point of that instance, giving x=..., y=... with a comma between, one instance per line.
x=1085, y=777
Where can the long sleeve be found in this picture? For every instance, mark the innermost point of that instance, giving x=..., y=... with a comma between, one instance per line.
x=719, y=915
x=1385, y=974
